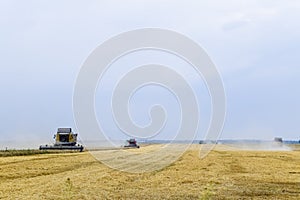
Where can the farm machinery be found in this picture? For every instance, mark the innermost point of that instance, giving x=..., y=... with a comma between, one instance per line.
x=131, y=143
x=65, y=139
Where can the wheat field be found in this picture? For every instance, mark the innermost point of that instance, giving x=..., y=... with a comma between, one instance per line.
x=226, y=173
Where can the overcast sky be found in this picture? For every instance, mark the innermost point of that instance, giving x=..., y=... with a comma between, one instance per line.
x=255, y=45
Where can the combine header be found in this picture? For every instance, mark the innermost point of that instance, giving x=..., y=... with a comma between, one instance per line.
x=65, y=139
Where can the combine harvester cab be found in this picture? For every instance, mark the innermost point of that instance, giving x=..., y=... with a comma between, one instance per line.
x=65, y=139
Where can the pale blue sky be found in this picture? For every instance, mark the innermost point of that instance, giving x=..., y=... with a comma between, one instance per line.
x=255, y=45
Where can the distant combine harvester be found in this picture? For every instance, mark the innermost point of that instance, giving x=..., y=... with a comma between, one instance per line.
x=131, y=143
x=65, y=139
x=278, y=139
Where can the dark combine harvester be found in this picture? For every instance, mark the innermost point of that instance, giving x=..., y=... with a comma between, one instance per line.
x=132, y=144
x=65, y=139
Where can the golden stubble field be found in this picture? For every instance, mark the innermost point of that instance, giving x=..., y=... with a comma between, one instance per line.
x=226, y=173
